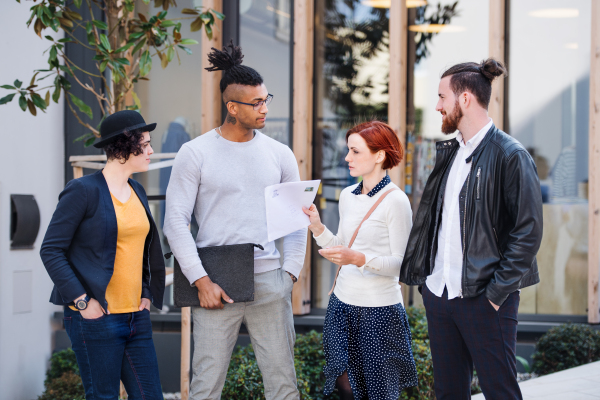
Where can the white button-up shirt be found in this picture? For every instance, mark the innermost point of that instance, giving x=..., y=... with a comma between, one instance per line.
x=447, y=271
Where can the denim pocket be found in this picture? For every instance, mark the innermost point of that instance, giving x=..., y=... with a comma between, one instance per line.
x=94, y=319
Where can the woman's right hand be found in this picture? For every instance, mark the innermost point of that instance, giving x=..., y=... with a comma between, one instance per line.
x=316, y=226
x=93, y=311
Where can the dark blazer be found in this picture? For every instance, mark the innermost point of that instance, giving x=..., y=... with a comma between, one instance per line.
x=81, y=242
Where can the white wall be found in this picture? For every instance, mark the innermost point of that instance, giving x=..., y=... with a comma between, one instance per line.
x=31, y=162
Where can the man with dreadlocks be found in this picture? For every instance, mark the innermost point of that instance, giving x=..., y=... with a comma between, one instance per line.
x=221, y=177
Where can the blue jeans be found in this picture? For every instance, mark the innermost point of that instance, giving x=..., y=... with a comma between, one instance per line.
x=113, y=348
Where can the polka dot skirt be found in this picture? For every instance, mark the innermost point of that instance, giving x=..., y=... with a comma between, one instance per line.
x=373, y=344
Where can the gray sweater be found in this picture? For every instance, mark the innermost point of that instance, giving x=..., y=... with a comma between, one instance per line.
x=223, y=184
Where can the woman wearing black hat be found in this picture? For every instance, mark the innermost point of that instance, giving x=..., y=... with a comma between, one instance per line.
x=102, y=251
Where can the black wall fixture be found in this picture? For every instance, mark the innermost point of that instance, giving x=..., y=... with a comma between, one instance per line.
x=24, y=221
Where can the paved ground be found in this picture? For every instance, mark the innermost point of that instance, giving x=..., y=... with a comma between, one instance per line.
x=580, y=383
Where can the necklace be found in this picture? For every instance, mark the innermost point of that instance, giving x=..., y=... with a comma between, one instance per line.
x=220, y=133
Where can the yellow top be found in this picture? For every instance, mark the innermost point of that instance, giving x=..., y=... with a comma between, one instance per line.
x=124, y=291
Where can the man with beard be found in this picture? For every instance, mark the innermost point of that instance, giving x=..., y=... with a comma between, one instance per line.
x=474, y=240
x=221, y=177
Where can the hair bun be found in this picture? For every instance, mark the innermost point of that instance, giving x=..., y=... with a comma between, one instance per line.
x=223, y=60
x=492, y=69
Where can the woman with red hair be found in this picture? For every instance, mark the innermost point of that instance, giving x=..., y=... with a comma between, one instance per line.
x=366, y=337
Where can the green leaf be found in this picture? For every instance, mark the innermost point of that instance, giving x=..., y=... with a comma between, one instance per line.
x=123, y=61
x=77, y=3
x=103, y=65
x=170, y=53
x=88, y=27
x=100, y=24
x=91, y=39
x=186, y=49
x=145, y=63
x=105, y=41
x=38, y=101
x=124, y=48
x=23, y=103
x=56, y=94
x=189, y=41
x=7, y=99
x=136, y=100
x=89, y=142
x=167, y=24
x=162, y=15
x=84, y=137
x=140, y=44
x=50, y=38
x=218, y=14
x=84, y=108
x=7, y=87
x=208, y=30
x=53, y=54
x=136, y=35
x=18, y=83
x=31, y=107
x=65, y=40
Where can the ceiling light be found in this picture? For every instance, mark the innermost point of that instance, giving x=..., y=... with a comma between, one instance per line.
x=555, y=13
x=436, y=28
x=388, y=3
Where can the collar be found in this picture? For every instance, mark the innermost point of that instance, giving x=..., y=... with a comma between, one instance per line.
x=475, y=140
x=386, y=179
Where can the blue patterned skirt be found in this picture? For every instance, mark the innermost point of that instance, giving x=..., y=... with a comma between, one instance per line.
x=373, y=344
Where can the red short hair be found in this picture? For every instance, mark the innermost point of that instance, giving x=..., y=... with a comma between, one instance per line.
x=380, y=136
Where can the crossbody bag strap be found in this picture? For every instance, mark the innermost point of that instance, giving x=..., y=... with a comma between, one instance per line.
x=377, y=203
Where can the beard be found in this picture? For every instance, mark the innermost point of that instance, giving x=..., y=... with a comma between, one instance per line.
x=450, y=123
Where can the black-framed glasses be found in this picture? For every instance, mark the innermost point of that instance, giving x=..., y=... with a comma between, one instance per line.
x=258, y=105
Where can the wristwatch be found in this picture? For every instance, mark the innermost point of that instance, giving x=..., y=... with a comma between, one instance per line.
x=294, y=279
x=82, y=304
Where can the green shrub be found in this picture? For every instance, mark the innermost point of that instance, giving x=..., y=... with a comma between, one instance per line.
x=422, y=356
x=66, y=387
x=564, y=347
x=418, y=323
x=61, y=362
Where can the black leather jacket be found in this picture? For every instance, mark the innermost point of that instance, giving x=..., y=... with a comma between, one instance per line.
x=501, y=219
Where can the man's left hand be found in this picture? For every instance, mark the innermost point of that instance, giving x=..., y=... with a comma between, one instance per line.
x=493, y=305
x=145, y=303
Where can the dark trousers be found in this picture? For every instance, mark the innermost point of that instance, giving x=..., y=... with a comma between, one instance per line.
x=467, y=331
x=113, y=348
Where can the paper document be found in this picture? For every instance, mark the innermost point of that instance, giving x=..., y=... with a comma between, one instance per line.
x=284, y=203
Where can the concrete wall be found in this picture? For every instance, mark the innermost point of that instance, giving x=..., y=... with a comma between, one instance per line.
x=31, y=162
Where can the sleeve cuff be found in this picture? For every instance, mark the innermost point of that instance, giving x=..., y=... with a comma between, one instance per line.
x=293, y=269
x=194, y=273
x=324, y=238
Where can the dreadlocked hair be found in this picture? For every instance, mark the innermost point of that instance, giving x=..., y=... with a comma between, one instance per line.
x=231, y=65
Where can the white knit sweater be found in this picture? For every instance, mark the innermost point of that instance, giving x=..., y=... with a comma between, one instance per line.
x=382, y=239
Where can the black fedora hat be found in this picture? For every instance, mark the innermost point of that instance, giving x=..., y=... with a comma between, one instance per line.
x=119, y=123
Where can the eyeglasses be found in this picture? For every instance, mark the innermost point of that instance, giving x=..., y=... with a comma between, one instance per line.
x=256, y=106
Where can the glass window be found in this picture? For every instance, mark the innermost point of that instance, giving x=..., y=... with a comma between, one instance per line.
x=266, y=41
x=351, y=79
x=548, y=111
x=441, y=34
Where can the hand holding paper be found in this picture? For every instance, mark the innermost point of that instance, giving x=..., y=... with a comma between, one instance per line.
x=284, y=203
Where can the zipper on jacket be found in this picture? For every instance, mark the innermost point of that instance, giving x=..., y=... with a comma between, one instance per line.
x=464, y=242
x=478, y=180
x=497, y=242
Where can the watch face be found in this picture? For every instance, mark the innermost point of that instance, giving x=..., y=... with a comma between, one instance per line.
x=81, y=305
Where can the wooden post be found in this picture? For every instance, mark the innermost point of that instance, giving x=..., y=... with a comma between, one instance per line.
x=186, y=329
x=77, y=172
x=594, y=172
x=496, y=43
x=398, y=80
x=211, y=94
x=303, y=125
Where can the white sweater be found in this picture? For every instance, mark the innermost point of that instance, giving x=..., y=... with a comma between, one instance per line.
x=382, y=239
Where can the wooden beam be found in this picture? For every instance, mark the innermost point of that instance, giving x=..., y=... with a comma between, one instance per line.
x=303, y=126
x=211, y=94
x=398, y=81
x=594, y=172
x=496, y=47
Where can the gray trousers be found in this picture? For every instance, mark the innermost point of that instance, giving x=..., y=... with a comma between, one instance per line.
x=270, y=323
